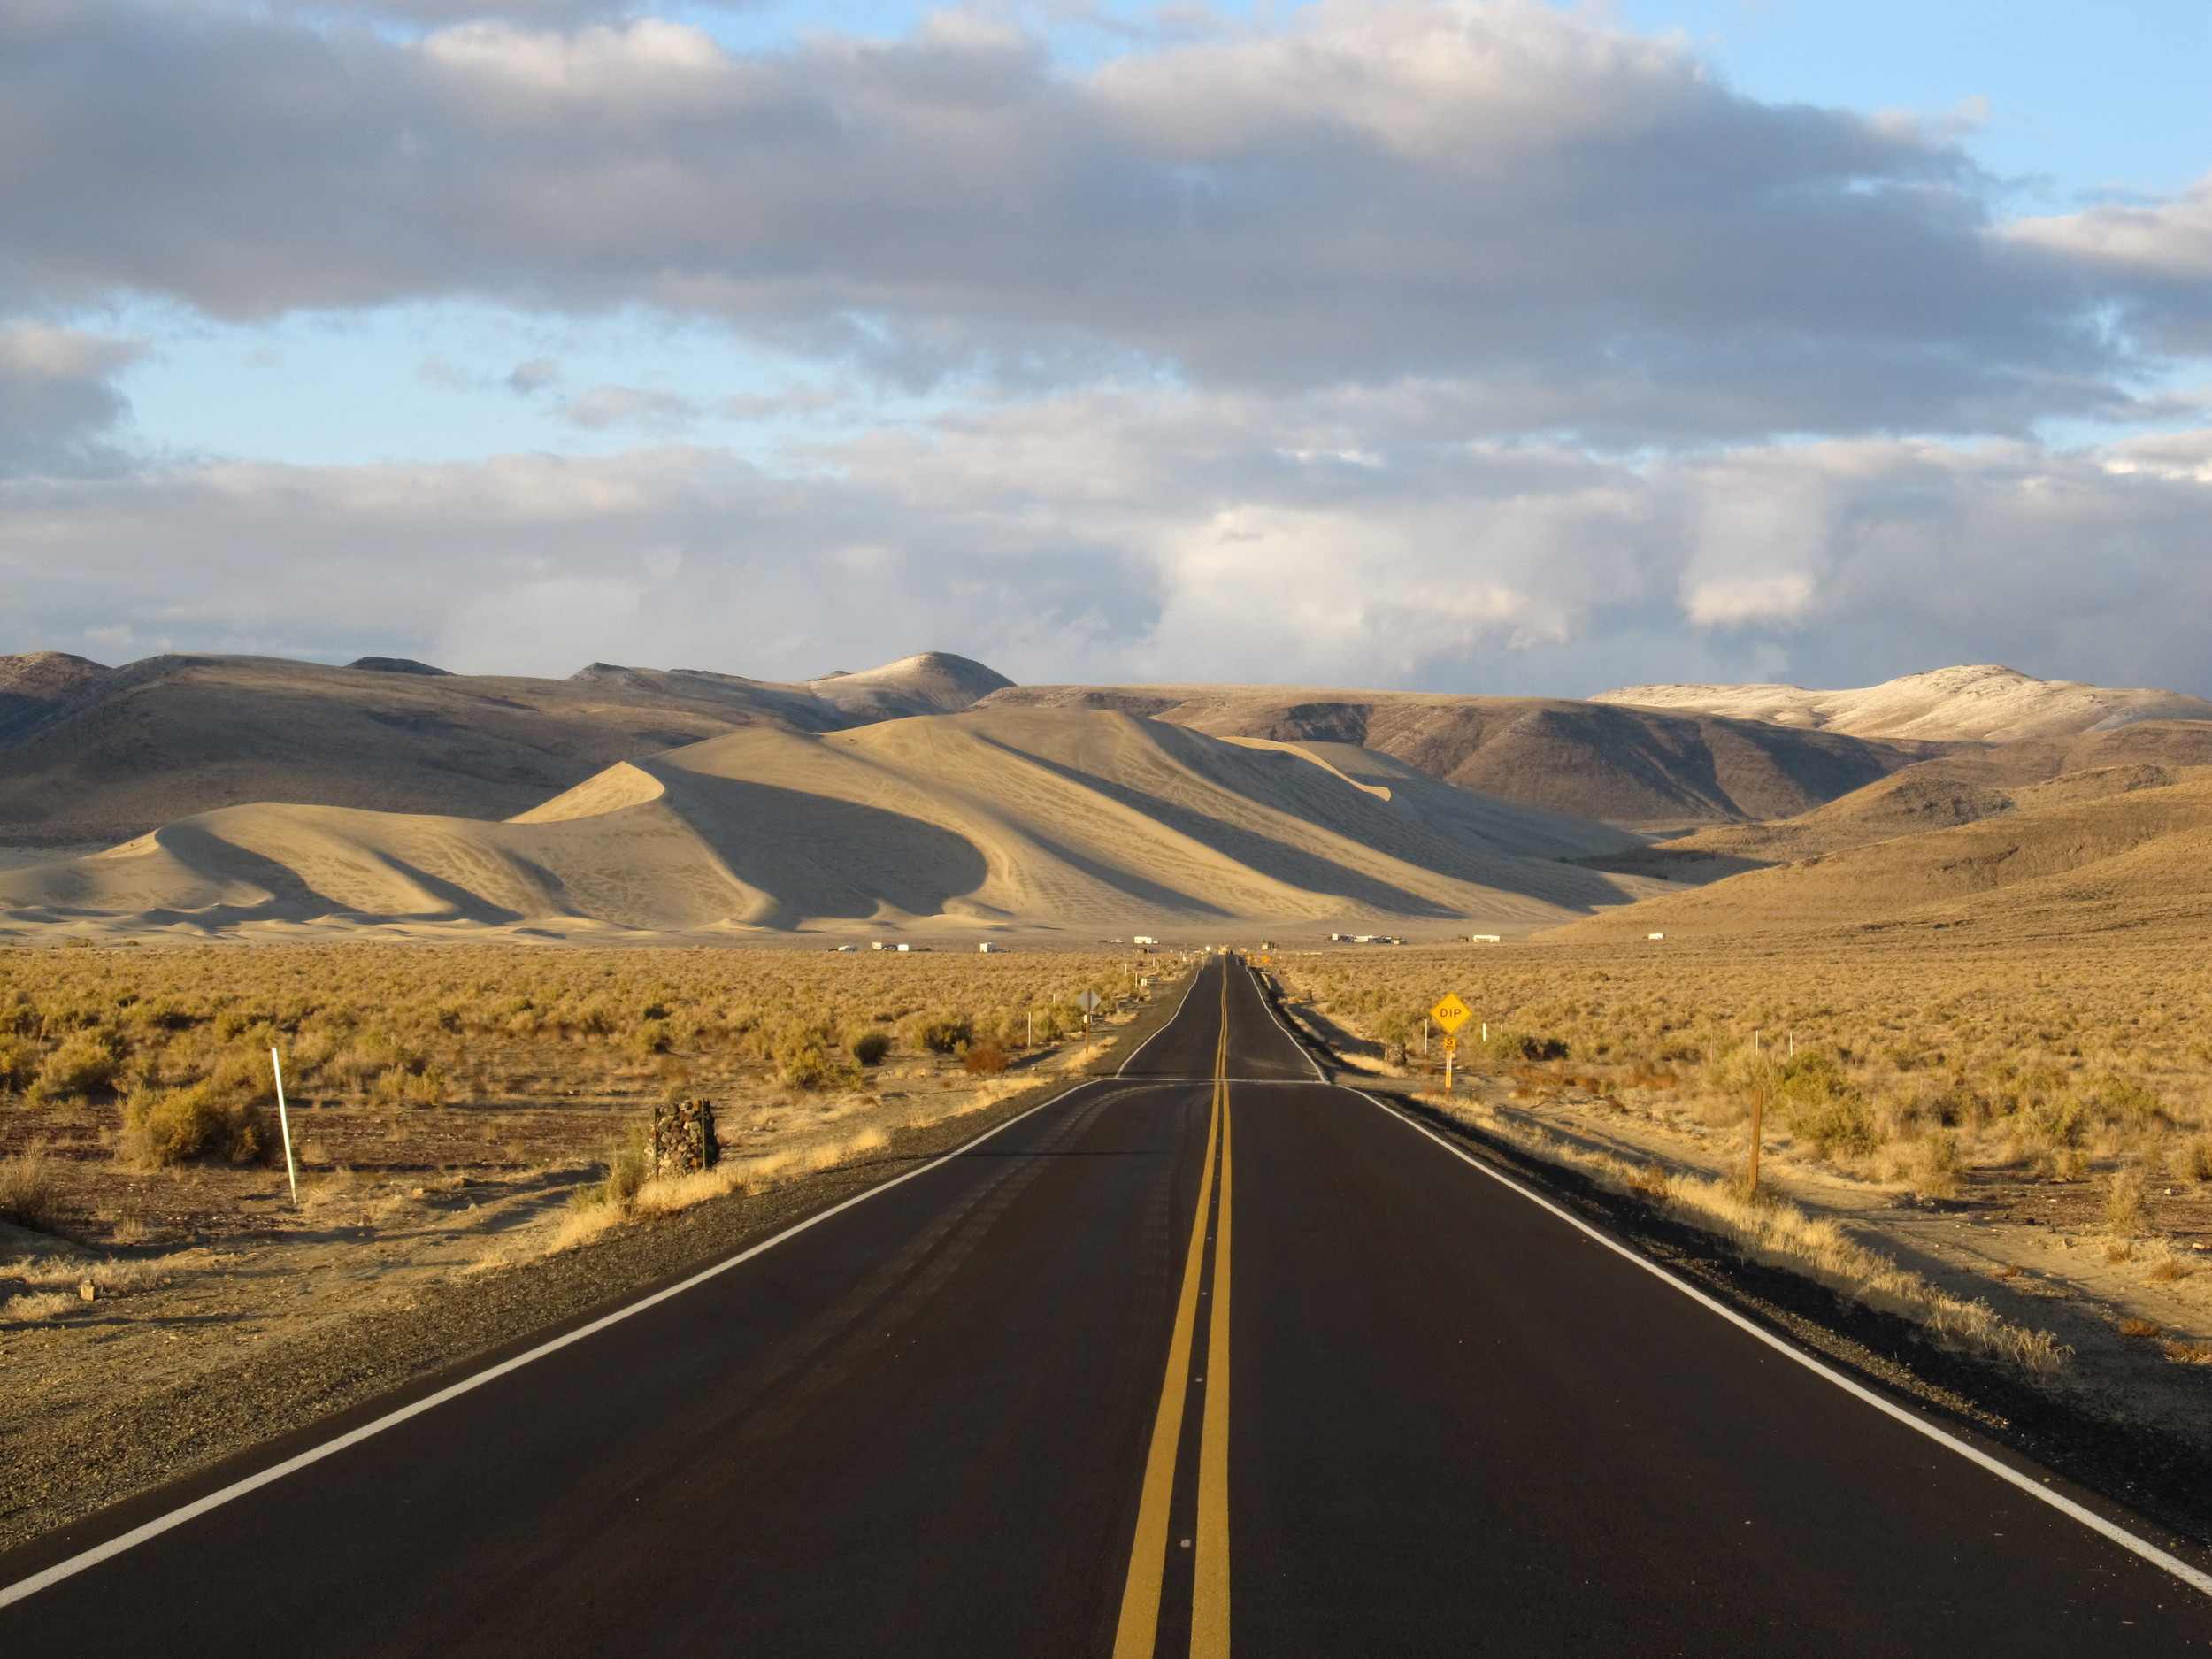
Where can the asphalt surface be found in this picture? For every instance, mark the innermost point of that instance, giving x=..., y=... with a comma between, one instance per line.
x=980, y=1412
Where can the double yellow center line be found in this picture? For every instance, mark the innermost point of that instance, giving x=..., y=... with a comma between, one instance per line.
x=1138, y=1633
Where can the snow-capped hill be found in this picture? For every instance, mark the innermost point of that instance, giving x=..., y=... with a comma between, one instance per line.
x=1982, y=703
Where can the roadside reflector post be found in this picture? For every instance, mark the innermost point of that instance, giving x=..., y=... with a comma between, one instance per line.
x=1758, y=1114
x=1758, y=1111
x=284, y=1128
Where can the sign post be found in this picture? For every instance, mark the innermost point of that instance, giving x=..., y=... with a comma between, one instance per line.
x=1087, y=1002
x=1451, y=1014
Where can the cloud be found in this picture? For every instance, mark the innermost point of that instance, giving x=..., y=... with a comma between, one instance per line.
x=58, y=403
x=649, y=409
x=1142, y=536
x=2157, y=257
x=1576, y=227
x=526, y=378
x=1449, y=343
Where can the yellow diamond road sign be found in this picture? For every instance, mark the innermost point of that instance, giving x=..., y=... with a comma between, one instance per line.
x=1451, y=1013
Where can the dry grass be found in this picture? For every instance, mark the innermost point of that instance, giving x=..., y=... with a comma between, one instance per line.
x=407, y=1066
x=30, y=1196
x=53, y=1287
x=1921, y=1065
x=40, y=1306
x=186, y=1033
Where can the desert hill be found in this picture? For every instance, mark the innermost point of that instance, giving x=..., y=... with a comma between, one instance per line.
x=1958, y=788
x=1002, y=818
x=90, y=754
x=1618, y=765
x=1985, y=703
x=93, y=753
x=2114, y=848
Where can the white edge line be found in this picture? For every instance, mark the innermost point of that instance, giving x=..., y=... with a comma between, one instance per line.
x=161, y=1523
x=1305, y=1053
x=2120, y=1535
x=1123, y=1068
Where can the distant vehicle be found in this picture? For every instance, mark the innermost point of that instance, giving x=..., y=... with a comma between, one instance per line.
x=988, y=948
x=1143, y=939
x=849, y=947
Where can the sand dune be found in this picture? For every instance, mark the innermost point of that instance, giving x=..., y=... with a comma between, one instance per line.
x=1982, y=703
x=1012, y=818
x=89, y=752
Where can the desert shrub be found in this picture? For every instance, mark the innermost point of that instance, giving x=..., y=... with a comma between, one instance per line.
x=629, y=1166
x=2114, y=1099
x=85, y=1063
x=1521, y=1044
x=805, y=1067
x=2057, y=1121
x=234, y=1023
x=1934, y=1169
x=1395, y=1028
x=943, y=1034
x=2123, y=1203
x=1841, y=1123
x=19, y=1061
x=1061, y=1019
x=164, y=1127
x=871, y=1046
x=399, y=1086
x=2191, y=1159
x=163, y=1013
x=986, y=1059
x=29, y=1195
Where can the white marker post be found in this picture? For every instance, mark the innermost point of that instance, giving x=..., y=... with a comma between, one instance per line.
x=284, y=1127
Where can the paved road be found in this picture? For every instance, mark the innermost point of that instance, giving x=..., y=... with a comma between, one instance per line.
x=984, y=1413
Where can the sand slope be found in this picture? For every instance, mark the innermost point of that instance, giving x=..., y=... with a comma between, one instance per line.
x=1619, y=765
x=90, y=754
x=1983, y=702
x=1093, y=821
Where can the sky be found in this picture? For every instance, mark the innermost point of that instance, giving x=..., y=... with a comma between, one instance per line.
x=1492, y=347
